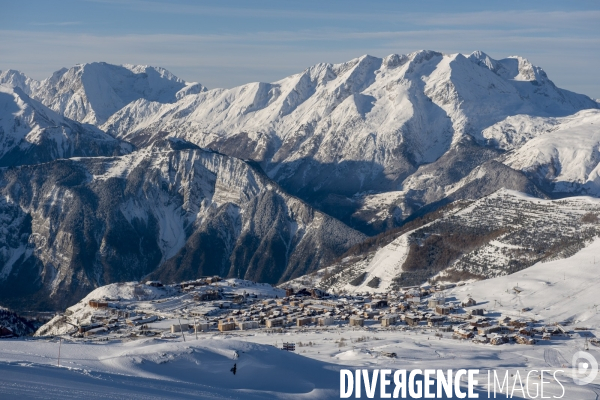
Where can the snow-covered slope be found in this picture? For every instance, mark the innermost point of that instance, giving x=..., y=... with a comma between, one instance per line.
x=496, y=235
x=567, y=159
x=92, y=92
x=31, y=133
x=558, y=291
x=152, y=369
x=172, y=210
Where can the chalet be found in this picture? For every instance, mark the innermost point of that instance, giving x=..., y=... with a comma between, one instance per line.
x=154, y=283
x=463, y=334
x=552, y=330
x=85, y=328
x=496, y=339
x=303, y=321
x=302, y=293
x=369, y=314
x=245, y=325
x=95, y=331
x=486, y=330
x=443, y=310
x=377, y=304
x=190, y=285
x=98, y=304
x=524, y=340
x=355, y=320
x=225, y=326
x=526, y=330
x=208, y=295
x=477, y=311
x=468, y=302
x=446, y=286
x=317, y=293
x=435, y=320
x=517, y=323
x=202, y=326
x=6, y=332
x=435, y=301
x=325, y=321
x=179, y=327
x=480, y=339
x=388, y=320
x=273, y=322
x=479, y=323
x=412, y=319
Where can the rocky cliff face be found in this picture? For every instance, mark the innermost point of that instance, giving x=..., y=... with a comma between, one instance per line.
x=172, y=210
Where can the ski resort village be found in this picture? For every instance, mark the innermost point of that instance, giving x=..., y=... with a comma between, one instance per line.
x=521, y=322
x=215, y=306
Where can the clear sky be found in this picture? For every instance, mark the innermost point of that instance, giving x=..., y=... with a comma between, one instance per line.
x=230, y=42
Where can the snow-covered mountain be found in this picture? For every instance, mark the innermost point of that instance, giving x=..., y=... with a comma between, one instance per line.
x=566, y=159
x=30, y=133
x=92, y=92
x=337, y=132
x=373, y=143
x=172, y=210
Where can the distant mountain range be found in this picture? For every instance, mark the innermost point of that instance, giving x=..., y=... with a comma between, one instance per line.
x=117, y=173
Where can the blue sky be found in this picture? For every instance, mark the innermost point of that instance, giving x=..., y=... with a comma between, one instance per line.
x=228, y=43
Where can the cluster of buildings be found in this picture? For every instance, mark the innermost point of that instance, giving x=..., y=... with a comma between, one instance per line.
x=207, y=305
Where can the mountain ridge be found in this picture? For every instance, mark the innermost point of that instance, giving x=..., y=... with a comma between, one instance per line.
x=72, y=225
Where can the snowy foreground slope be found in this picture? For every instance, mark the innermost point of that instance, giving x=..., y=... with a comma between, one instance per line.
x=496, y=235
x=559, y=291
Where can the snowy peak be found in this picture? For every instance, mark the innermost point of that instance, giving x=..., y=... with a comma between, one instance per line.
x=565, y=159
x=17, y=79
x=92, y=92
x=32, y=133
x=364, y=125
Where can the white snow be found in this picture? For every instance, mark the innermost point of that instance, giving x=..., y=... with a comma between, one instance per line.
x=568, y=156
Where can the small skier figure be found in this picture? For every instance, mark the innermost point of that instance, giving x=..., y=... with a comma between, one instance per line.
x=234, y=369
